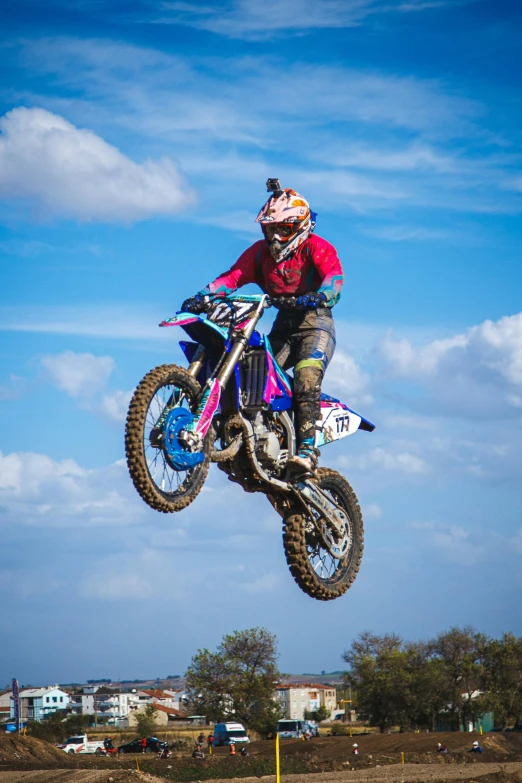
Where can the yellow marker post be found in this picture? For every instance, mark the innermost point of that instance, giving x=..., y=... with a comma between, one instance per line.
x=350, y=731
x=278, y=767
x=402, y=758
x=137, y=765
x=480, y=729
x=210, y=751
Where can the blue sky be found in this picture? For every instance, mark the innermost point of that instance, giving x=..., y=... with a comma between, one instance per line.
x=135, y=140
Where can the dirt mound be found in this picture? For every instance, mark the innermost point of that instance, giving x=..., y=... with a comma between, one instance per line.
x=75, y=776
x=14, y=747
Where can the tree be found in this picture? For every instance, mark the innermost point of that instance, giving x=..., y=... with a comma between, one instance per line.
x=321, y=713
x=502, y=659
x=380, y=675
x=237, y=681
x=146, y=721
x=460, y=651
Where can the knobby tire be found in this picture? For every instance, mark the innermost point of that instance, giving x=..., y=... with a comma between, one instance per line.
x=134, y=440
x=295, y=542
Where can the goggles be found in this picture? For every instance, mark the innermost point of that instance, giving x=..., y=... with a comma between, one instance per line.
x=278, y=230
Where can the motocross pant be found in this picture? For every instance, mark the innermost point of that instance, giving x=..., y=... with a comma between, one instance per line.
x=305, y=340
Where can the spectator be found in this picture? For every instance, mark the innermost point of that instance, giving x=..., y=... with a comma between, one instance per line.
x=201, y=739
x=475, y=748
x=210, y=740
x=144, y=744
x=107, y=743
x=232, y=749
x=307, y=735
x=244, y=751
x=197, y=753
x=442, y=748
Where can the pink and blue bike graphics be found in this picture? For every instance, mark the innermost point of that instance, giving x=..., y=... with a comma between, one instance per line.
x=257, y=378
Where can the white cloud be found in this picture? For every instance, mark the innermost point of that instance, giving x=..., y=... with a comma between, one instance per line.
x=116, y=405
x=129, y=322
x=79, y=375
x=398, y=233
x=458, y=545
x=372, y=511
x=106, y=584
x=477, y=370
x=257, y=21
x=345, y=377
x=72, y=172
x=416, y=156
x=387, y=460
x=14, y=388
x=37, y=490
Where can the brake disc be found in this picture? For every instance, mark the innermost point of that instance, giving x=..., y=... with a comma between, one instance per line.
x=177, y=453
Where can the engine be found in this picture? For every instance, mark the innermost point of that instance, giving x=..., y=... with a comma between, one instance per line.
x=270, y=437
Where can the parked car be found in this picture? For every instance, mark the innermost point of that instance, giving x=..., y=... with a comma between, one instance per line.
x=135, y=746
x=230, y=734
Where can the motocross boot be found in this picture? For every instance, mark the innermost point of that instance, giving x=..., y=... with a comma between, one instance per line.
x=307, y=398
x=305, y=461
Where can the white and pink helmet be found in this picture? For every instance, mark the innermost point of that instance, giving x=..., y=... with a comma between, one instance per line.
x=286, y=220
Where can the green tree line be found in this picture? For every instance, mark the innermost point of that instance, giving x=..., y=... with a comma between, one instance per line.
x=459, y=675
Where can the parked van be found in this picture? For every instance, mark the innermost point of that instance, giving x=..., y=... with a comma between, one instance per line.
x=290, y=729
x=312, y=727
x=230, y=733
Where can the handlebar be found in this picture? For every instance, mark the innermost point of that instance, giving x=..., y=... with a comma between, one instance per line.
x=279, y=302
x=288, y=303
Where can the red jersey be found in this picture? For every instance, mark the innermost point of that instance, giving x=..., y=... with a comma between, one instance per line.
x=315, y=266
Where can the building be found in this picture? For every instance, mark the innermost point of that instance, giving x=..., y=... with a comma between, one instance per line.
x=162, y=716
x=37, y=703
x=5, y=705
x=295, y=698
x=156, y=696
x=110, y=704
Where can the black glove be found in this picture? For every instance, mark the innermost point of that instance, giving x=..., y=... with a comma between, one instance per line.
x=311, y=301
x=194, y=304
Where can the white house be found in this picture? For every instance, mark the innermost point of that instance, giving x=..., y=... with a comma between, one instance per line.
x=102, y=702
x=295, y=698
x=37, y=703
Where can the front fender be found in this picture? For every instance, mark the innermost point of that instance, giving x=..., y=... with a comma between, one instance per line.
x=184, y=319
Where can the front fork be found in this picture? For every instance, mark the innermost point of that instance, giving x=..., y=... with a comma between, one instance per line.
x=211, y=395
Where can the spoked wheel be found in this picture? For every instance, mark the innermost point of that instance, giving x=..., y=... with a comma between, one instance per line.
x=163, y=390
x=324, y=565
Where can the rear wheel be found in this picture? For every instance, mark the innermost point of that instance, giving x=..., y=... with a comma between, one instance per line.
x=164, y=389
x=309, y=553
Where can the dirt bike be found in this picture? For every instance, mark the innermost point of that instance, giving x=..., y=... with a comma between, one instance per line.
x=233, y=406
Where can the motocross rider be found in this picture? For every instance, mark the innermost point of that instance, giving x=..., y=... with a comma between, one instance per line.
x=292, y=261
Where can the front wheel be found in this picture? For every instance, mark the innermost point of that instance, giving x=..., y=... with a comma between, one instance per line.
x=317, y=572
x=162, y=485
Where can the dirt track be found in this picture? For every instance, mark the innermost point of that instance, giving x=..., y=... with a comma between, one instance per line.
x=393, y=773
x=322, y=760
x=75, y=776
x=397, y=773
